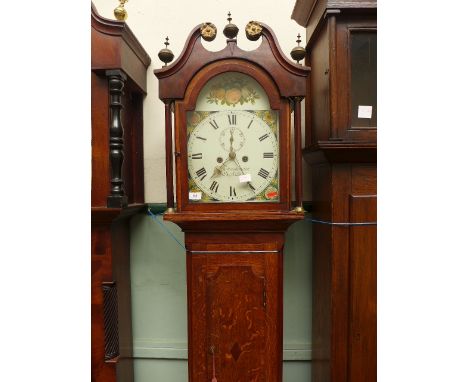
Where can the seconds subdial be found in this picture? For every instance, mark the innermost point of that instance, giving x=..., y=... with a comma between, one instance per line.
x=232, y=139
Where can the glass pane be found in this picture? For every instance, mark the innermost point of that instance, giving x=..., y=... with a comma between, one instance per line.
x=233, y=143
x=364, y=79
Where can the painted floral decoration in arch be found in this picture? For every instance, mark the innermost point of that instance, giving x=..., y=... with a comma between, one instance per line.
x=231, y=90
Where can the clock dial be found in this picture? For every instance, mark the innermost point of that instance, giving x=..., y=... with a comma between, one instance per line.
x=233, y=157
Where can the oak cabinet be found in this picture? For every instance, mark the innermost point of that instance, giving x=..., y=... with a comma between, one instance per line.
x=341, y=149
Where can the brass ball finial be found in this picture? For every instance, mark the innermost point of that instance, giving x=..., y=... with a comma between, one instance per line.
x=253, y=30
x=120, y=12
x=230, y=30
x=166, y=55
x=298, y=52
x=208, y=31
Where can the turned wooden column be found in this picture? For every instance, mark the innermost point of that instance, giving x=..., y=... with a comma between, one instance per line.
x=298, y=152
x=117, y=197
x=169, y=155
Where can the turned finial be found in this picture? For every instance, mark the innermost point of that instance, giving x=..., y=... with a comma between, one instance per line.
x=166, y=55
x=230, y=30
x=120, y=12
x=298, y=52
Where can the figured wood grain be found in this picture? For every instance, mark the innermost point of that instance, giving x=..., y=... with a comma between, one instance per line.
x=235, y=324
x=235, y=305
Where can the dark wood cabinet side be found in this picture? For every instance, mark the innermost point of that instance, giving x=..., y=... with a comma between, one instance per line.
x=344, y=274
x=343, y=162
x=118, y=85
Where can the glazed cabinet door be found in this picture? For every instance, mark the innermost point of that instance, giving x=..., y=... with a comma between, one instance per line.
x=233, y=299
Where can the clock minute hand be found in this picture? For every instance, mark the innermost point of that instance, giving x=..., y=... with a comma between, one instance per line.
x=232, y=156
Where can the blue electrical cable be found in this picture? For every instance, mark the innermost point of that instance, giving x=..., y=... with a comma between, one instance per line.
x=153, y=216
x=340, y=224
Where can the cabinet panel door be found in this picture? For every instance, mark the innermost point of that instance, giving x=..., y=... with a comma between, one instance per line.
x=234, y=301
x=236, y=320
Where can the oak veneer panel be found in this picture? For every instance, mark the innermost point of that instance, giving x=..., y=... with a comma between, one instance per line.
x=237, y=297
x=237, y=314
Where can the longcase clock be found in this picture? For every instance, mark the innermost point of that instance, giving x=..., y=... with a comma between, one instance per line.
x=233, y=150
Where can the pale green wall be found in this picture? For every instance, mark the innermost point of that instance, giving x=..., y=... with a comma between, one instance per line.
x=159, y=302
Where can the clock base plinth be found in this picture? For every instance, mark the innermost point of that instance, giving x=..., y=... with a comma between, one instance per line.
x=235, y=293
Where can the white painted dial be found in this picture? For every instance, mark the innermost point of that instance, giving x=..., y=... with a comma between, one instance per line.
x=232, y=156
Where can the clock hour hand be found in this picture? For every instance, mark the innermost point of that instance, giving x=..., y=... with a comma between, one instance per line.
x=217, y=171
